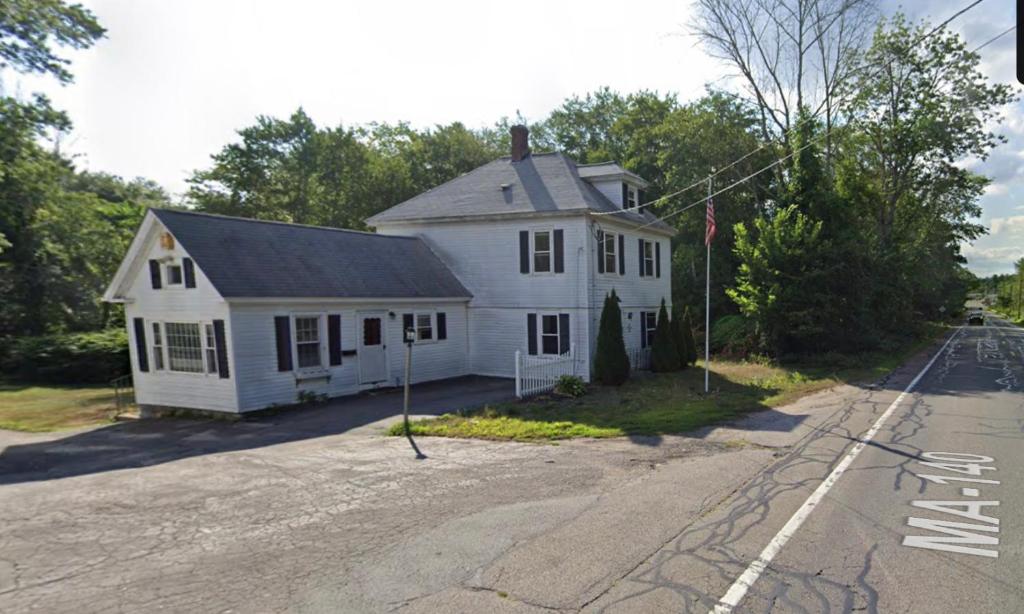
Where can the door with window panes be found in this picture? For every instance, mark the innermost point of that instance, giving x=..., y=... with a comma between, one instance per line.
x=373, y=363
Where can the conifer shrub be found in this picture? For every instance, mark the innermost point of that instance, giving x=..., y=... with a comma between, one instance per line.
x=664, y=355
x=611, y=363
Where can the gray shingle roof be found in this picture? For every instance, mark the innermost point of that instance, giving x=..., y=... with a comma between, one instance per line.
x=539, y=183
x=253, y=258
x=604, y=169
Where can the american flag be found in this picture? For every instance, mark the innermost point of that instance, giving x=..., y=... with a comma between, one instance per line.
x=709, y=232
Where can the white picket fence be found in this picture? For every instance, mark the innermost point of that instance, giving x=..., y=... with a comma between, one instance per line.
x=639, y=359
x=537, y=374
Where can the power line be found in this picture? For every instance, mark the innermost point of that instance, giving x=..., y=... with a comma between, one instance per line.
x=796, y=124
x=820, y=136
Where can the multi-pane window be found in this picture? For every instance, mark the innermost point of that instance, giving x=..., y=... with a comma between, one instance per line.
x=650, y=324
x=649, y=258
x=549, y=334
x=424, y=327
x=158, y=348
x=174, y=275
x=307, y=341
x=631, y=197
x=610, y=256
x=184, y=347
x=211, y=350
x=542, y=251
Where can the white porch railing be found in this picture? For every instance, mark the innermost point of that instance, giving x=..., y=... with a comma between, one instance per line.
x=639, y=359
x=537, y=374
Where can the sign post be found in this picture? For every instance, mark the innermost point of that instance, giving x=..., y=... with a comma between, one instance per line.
x=410, y=337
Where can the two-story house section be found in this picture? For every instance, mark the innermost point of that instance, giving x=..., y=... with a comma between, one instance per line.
x=521, y=234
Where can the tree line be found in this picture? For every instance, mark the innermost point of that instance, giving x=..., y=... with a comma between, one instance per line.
x=849, y=241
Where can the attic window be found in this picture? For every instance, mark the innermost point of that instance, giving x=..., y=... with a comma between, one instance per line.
x=174, y=277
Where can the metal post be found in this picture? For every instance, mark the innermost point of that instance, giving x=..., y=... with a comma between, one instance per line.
x=408, y=370
x=409, y=338
x=707, y=309
x=1020, y=287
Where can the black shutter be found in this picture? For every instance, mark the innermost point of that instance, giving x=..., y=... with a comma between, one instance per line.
x=559, y=251
x=154, y=274
x=407, y=324
x=563, y=333
x=222, y=349
x=190, y=272
x=531, y=334
x=625, y=195
x=622, y=254
x=640, y=197
x=442, y=326
x=600, y=251
x=334, y=339
x=657, y=258
x=141, y=353
x=640, y=255
x=643, y=329
x=283, y=330
x=524, y=251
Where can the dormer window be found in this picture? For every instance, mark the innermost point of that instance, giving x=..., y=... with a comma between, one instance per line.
x=174, y=276
x=631, y=197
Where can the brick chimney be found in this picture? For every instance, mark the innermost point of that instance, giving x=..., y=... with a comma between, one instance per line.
x=520, y=142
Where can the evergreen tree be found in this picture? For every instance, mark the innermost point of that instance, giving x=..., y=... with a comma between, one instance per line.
x=664, y=355
x=687, y=345
x=611, y=363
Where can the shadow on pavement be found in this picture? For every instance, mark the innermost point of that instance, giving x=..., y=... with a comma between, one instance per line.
x=144, y=443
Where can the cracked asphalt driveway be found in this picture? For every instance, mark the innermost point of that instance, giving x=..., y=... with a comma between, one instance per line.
x=336, y=520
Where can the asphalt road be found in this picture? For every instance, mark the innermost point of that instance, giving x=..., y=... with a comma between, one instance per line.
x=881, y=538
x=304, y=514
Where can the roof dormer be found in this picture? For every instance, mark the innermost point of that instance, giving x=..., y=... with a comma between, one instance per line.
x=620, y=186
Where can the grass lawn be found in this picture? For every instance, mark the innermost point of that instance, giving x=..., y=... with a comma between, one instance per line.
x=666, y=403
x=25, y=407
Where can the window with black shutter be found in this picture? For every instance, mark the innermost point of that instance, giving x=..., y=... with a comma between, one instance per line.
x=442, y=326
x=154, y=274
x=524, y=251
x=283, y=335
x=141, y=353
x=531, y=333
x=220, y=338
x=622, y=254
x=334, y=339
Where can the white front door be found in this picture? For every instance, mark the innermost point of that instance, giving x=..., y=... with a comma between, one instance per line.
x=373, y=356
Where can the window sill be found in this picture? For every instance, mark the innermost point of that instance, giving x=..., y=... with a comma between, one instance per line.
x=312, y=374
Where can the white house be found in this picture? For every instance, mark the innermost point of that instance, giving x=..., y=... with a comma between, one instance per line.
x=229, y=314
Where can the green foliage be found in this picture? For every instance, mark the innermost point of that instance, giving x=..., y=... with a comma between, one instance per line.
x=664, y=354
x=734, y=336
x=96, y=357
x=312, y=398
x=293, y=171
x=611, y=363
x=571, y=386
x=688, y=351
x=779, y=285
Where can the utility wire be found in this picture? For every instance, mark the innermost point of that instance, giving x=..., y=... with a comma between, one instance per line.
x=796, y=124
x=823, y=134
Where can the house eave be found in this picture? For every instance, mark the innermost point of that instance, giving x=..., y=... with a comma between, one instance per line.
x=526, y=215
x=263, y=300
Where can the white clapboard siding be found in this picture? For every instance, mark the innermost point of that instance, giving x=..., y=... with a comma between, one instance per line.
x=201, y=304
x=262, y=385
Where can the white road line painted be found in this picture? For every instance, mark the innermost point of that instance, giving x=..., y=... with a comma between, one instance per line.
x=970, y=492
x=739, y=588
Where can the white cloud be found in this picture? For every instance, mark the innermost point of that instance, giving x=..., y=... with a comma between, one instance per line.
x=991, y=260
x=1013, y=225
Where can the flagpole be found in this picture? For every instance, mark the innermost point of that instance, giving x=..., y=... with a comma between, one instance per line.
x=707, y=307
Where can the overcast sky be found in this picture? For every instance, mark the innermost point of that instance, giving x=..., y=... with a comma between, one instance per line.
x=174, y=79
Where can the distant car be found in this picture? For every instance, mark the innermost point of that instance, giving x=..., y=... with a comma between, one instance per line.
x=976, y=316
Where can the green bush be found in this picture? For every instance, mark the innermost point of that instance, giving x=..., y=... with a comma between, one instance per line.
x=734, y=336
x=571, y=386
x=682, y=332
x=69, y=358
x=611, y=363
x=664, y=355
